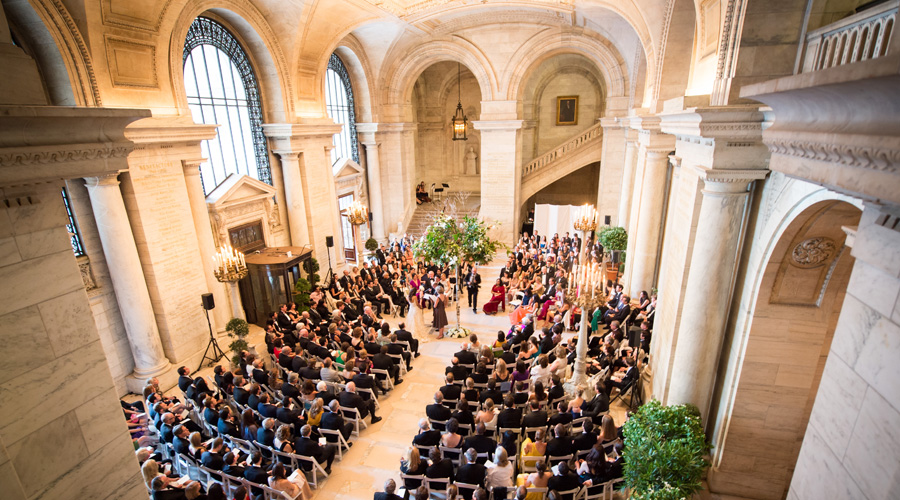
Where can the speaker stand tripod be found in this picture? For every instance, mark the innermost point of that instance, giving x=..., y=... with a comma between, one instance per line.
x=213, y=344
x=330, y=274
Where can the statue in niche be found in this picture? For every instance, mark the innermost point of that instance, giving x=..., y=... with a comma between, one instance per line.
x=470, y=167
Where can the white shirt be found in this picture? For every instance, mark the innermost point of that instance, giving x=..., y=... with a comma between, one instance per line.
x=498, y=476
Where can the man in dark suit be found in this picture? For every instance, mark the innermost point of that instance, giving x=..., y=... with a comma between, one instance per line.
x=382, y=361
x=598, y=405
x=450, y=390
x=473, y=283
x=564, y=481
x=210, y=414
x=471, y=473
x=290, y=417
x=509, y=417
x=556, y=389
x=491, y=392
x=620, y=312
x=284, y=319
x=438, y=411
x=365, y=381
x=240, y=394
x=480, y=442
x=459, y=372
x=536, y=417
x=389, y=486
x=255, y=472
x=266, y=435
x=325, y=394
x=184, y=380
x=231, y=466
x=465, y=356
x=379, y=254
x=181, y=443
x=405, y=336
x=395, y=348
x=333, y=419
x=307, y=446
x=587, y=439
x=350, y=399
x=227, y=424
x=426, y=436
x=213, y=458
x=266, y=409
x=562, y=417
x=253, y=399
x=167, y=429
x=561, y=444
x=625, y=380
x=290, y=391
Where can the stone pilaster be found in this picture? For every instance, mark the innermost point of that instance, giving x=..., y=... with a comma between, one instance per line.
x=612, y=169
x=501, y=176
x=623, y=216
x=219, y=316
x=373, y=176
x=128, y=279
x=719, y=232
x=312, y=179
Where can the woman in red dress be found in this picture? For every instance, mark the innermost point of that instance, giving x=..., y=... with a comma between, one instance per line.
x=498, y=299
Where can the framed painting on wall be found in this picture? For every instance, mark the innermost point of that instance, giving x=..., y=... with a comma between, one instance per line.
x=567, y=110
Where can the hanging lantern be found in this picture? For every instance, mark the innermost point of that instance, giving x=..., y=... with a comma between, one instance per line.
x=459, y=121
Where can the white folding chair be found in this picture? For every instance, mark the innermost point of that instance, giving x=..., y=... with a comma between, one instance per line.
x=387, y=377
x=341, y=442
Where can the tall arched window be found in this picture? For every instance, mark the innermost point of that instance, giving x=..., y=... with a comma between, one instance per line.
x=222, y=89
x=339, y=105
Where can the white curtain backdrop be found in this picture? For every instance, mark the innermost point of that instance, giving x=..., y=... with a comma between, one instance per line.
x=549, y=219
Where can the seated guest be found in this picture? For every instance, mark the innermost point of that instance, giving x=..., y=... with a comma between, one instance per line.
x=426, y=436
x=163, y=490
x=479, y=442
x=597, y=406
x=462, y=414
x=438, y=411
x=562, y=417
x=196, y=447
x=450, y=390
x=214, y=459
x=492, y=392
x=266, y=434
x=232, y=468
x=561, y=444
x=440, y=467
x=333, y=419
x=564, y=480
x=471, y=472
x=388, y=494
x=255, y=472
x=451, y=438
x=499, y=473
x=227, y=423
x=350, y=399
x=309, y=447
x=412, y=464
x=279, y=482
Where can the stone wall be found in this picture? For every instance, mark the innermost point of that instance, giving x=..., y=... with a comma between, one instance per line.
x=61, y=429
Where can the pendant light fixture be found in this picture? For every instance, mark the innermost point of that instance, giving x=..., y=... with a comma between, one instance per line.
x=459, y=120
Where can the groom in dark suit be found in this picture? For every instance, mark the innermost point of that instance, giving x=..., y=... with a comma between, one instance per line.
x=473, y=283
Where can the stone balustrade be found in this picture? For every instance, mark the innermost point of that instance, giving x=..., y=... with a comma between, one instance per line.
x=591, y=134
x=862, y=36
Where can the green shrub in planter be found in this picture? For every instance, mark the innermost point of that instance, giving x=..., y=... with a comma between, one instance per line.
x=371, y=244
x=664, y=452
x=613, y=238
x=301, y=294
x=311, y=266
x=238, y=330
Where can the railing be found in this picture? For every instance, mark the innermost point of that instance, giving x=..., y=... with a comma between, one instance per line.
x=862, y=36
x=572, y=144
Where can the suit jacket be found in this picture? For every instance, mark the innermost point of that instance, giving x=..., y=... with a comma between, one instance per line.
x=226, y=427
x=211, y=417
x=385, y=496
x=265, y=437
x=558, y=447
x=234, y=470
x=352, y=400
x=471, y=474
x=405, y=336
x=509, y=418
x=212, y=460
x=444, y=468
x=382, y=362
x=379, y=254
x=564, y=483
x=473, y=281
x=184, y=382
x=257, y=475
x=553, y=394
x=290, y=392
x=600, y=404
x=451, y=391
x=560, y=418
x=535, y=419
x=459, y=372
x=169, y=494
x=496, y=396
x=464, y=417
x=438, y=412
x=332, y=421
x=428, y=438
x=466, y=357
x=309, y=448
x=181, y=446
x=290, y=417
x=166, y=433
x=240, y=395
x=268, y=411
x=584, y=441
x=482, y=444
x=253, y=402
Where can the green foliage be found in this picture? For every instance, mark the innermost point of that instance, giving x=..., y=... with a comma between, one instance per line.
x=301, y=294
x=613, y=238
x=664, y=450
x=311, y=265
x=371, y=244
x=238, y=330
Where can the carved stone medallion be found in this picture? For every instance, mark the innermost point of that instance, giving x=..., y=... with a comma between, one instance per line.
x=813, y=252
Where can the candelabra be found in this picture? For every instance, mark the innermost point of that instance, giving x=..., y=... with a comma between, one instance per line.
x=586, y=221
x=586, y=292
x=231, y=268
x=357, y=213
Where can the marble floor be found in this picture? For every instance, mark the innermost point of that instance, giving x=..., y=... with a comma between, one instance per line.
x=375, y=455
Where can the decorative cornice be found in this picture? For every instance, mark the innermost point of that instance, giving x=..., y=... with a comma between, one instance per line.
x=297, y=130
x=61, y=155
x=169, y=130
x=743, y=124
x=852, y=155
x=510, y=125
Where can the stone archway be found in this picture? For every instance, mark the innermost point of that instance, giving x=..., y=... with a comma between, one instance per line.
x=797, y=308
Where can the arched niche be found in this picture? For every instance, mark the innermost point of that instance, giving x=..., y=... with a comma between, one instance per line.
x=352, y=54
x=786, y=343
x=256, y=37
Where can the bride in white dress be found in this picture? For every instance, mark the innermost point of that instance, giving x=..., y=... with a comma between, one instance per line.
x=415, y=318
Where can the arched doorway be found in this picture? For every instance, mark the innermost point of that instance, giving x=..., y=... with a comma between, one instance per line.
x=793, y=323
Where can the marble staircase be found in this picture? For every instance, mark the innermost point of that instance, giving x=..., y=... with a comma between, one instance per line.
x=424, y=213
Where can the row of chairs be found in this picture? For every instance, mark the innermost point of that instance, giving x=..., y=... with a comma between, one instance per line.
x=603, y=491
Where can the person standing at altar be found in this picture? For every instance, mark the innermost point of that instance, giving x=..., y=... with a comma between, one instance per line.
x=473, y=283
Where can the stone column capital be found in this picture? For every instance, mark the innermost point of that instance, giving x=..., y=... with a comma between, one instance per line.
x=111, y=179
x=192, y=166
x=720, y=181
x=498, y=125
x=287, y=154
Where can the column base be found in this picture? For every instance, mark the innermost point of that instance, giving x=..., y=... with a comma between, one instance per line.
x=137, y=380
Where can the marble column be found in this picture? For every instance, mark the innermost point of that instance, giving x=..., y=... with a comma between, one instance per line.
x=649, y=222
x=373, y=176
x=709, y=282
x=127, y=276
x=625, y=199
x=205, y=241
x=501, y=176
x=293, y=196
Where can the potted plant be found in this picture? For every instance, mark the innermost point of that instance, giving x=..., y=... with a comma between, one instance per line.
x=301, y=294
x=665, y=448
x=614, y=240
x=311, y=266
x=238, y=330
